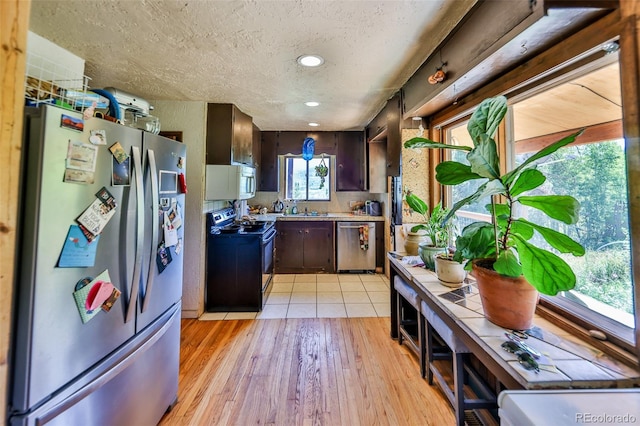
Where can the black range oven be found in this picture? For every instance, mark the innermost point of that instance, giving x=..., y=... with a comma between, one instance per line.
x=239, y=270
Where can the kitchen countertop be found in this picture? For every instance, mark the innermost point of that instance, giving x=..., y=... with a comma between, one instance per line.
x=320, y=217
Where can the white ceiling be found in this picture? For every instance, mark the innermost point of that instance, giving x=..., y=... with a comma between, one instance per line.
x=244, y=52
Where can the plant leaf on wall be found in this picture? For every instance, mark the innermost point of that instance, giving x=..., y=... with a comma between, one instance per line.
x=416, y=204
x=453, y=173
x=427, y=143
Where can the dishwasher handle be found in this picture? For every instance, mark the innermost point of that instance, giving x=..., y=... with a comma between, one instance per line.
x=353, y=227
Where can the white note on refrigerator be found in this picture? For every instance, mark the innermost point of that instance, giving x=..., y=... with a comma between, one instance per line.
x=96, y=217
x=170, y=232
x=81, y=156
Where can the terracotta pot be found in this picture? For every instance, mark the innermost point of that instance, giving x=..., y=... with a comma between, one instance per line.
x=507, y=302
x=450, y=273
x=428, y=253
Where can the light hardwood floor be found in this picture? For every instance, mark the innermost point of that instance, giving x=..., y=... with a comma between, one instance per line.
x=312, y=371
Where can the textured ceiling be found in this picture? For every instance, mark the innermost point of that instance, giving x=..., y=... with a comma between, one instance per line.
x=244, y=52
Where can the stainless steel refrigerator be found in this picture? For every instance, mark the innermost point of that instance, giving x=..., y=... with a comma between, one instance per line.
x=121, y=365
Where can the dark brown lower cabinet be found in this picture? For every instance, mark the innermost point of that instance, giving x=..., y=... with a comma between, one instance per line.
x=305, y=247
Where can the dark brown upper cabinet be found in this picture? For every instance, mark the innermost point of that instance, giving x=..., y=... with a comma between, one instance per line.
x=257, y=153
x=269, y=170
x=348, y=147
x=385, y=128
x=290, y=142
x=229, y=135
x=350, y=162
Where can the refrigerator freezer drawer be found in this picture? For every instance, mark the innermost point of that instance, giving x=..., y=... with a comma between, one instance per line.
x=134, y=386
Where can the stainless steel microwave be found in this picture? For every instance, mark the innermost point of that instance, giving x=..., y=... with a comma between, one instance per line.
x=236, y=182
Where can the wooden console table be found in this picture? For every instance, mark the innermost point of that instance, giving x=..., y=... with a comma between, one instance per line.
x=578, y=364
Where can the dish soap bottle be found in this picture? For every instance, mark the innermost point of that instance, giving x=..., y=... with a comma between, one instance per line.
x=294, y=209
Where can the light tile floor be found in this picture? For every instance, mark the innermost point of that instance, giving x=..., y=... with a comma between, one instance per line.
x=320, y=296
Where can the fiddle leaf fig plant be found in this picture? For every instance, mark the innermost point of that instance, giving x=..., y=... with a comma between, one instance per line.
x=434, y=226
x=506, y=243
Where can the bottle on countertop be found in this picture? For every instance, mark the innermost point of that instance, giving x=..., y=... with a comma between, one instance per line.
x=294, y=209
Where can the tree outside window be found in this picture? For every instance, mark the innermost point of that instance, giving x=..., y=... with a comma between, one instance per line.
x=308, y=180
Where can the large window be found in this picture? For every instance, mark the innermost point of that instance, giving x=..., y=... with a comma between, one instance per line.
x=593, y=171
x=307, y=180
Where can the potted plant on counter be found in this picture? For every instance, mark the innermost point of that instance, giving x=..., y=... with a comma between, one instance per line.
x=510, y=268
x=437, y=255
x=438, y=232
x=451, y=272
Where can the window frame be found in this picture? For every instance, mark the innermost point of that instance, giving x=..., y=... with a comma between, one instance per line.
x=561, y=312
x=557, y=308
x=288, y=177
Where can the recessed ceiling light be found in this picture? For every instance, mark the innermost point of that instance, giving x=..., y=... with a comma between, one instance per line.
x=312, y=103
x=310, y=60
x=313, y=124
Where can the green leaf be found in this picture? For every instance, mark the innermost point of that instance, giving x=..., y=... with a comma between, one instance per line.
x=486, y=189
x=560, y=207
x=484, y=158
x=544, y=270
x=501, y=209
x=427, y=143
x=556, y=239
x=419, y=227
x=416, y=204
x=487, y=117
x=501, y=214
x=528, y=180
x=454, y=173
x=476, y=241
x=507, y=178
x=522, y=229
x=507, y=264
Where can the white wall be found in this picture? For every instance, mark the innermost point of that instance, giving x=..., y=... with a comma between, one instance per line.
x=190, y=119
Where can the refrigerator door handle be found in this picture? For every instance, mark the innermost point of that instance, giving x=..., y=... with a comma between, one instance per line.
x=135, y=282
x=155, y=201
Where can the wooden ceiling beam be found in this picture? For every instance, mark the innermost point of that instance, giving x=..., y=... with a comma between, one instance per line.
x=592, y=134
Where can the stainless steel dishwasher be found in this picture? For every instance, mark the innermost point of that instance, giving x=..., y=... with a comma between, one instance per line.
x=356, y=246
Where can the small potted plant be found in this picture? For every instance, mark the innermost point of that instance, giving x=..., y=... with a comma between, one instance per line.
x=437, y=254
x=510, y=268
x=438, y=232
x=450, y=271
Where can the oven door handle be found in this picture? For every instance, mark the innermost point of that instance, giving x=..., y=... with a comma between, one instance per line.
x=269, y=235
